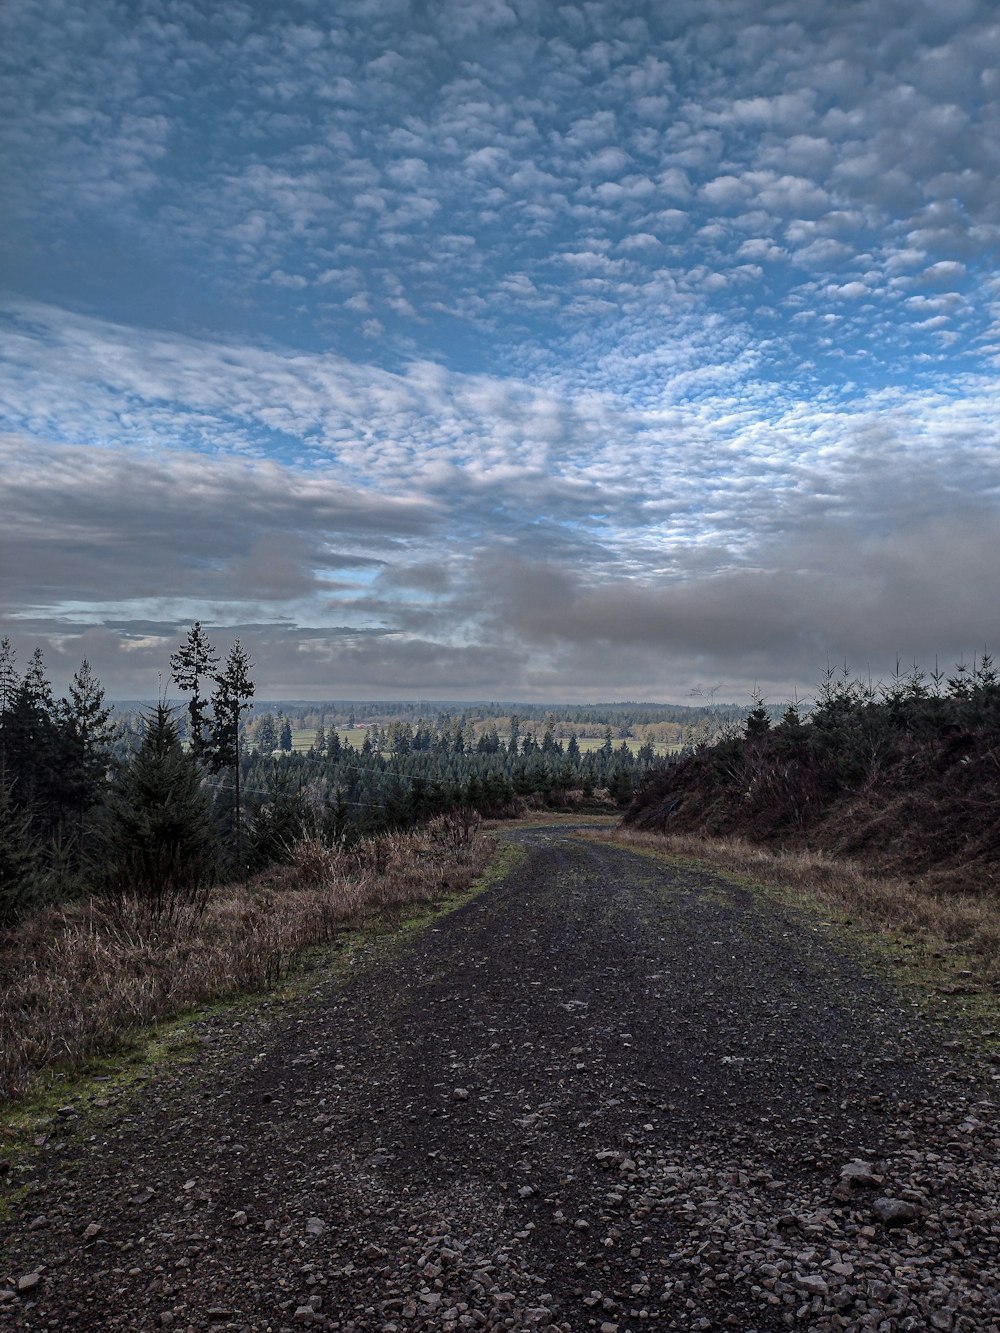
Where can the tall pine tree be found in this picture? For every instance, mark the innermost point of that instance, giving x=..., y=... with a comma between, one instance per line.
x=232, y=697
x=266, y=737
x=31, y=736
x=85, y=738
x=194, y=663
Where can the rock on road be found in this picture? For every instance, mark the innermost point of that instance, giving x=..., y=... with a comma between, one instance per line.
x=604, y=1094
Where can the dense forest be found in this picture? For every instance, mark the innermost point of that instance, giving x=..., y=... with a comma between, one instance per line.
x=164, y=801
x=902, y=775
x=403, y=774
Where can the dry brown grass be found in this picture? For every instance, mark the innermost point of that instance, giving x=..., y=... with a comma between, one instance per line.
x=78, y=979
x=917, y=908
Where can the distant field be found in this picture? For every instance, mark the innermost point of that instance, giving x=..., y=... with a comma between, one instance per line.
x=302, y=739
x=589, y=743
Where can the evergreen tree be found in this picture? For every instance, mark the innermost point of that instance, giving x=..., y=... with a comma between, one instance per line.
x=319, y=740
x=489, y=741
x=278, y=821
x=620, y=786
x=8, y=675
x=17, y=860
x=266, y=737
x=400, y=738
x=31, y=737
x=86, y=735
x=758, y=721
x=791, y=735
x=194, y=662
x=231, y=698
x=513, y=743
x=285, y=736
x=8, y=692
x=158, y=833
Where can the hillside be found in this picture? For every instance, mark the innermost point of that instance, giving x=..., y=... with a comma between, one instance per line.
x=904, y=778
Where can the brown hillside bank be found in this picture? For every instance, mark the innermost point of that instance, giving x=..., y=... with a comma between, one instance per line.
x=906, y=784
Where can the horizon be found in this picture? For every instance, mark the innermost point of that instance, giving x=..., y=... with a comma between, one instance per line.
x=452, y=703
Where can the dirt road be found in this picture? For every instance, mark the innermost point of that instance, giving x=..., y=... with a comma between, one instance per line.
x=604, y=1094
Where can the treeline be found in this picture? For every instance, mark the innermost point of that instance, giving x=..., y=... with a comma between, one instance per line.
x=354, y=712
x=407, y=774
x=80, y=816
x=903, y=773
x=53, y=773
x=164, y=803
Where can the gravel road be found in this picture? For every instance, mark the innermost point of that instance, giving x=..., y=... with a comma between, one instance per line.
x=605, y=1094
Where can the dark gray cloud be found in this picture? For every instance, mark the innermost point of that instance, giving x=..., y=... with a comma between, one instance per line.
x=83, y=524
x=778, y=617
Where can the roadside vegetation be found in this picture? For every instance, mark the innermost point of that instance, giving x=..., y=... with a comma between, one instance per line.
x=81, y=817
x=156, y=862
x=158, y=802
x=82, y=977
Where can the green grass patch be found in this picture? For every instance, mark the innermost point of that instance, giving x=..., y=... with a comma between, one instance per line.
x=588, y=744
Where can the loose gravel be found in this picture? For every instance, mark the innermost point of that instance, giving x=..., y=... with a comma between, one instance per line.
x=604, y=1095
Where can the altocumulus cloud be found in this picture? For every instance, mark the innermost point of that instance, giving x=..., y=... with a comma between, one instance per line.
x=497, y=348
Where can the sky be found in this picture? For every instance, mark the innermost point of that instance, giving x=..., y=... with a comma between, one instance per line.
x=500, y=349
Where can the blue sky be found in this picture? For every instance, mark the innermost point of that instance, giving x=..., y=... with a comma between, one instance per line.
x=496, y=348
